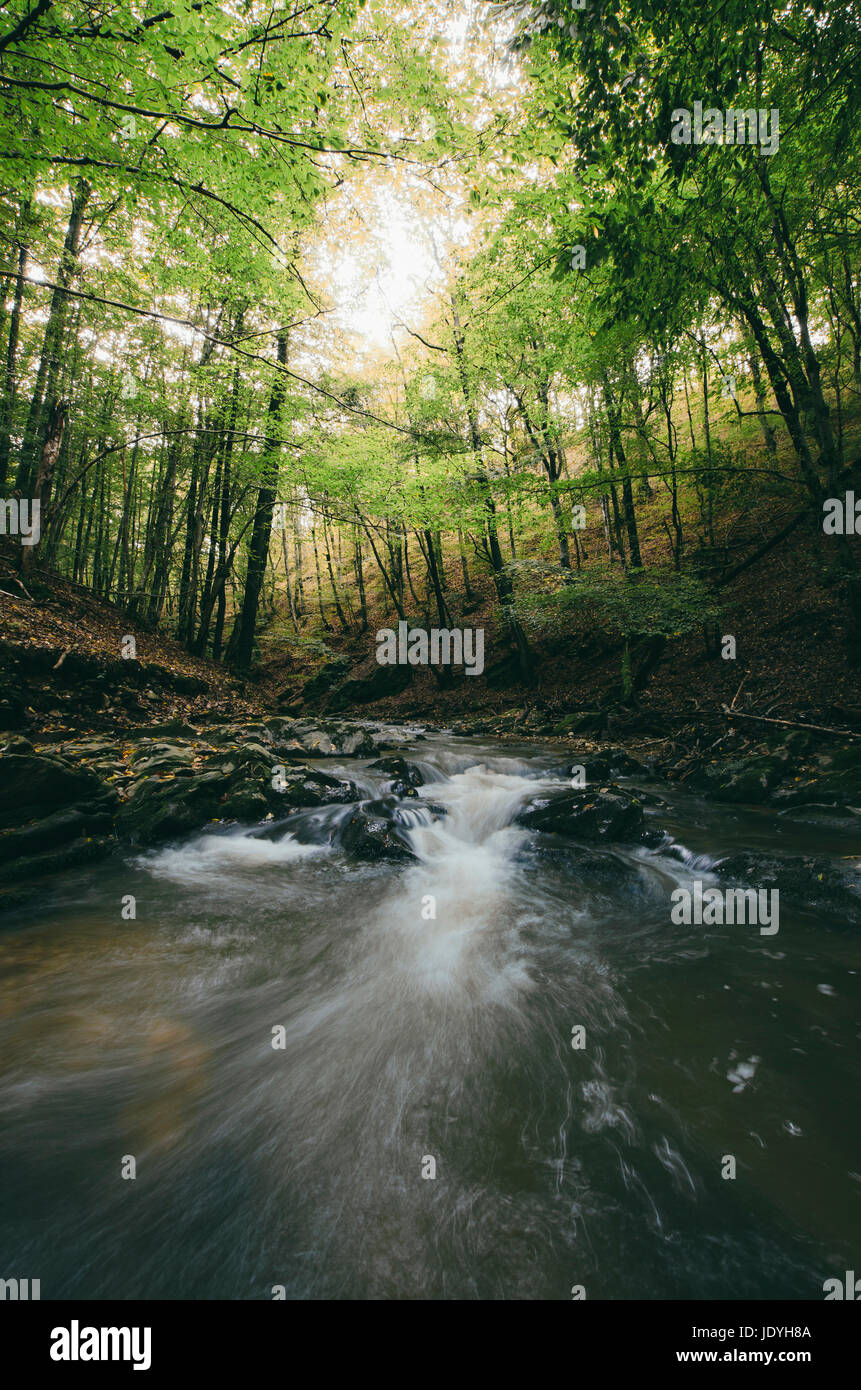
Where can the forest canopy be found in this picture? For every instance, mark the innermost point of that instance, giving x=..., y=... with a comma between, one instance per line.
x=326, y=314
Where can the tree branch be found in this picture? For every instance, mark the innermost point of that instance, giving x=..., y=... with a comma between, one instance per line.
x=25, y=23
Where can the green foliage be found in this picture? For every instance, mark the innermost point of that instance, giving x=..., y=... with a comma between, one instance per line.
x=658, y=604
x=593, y=282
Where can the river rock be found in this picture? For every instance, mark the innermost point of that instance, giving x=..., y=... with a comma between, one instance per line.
x=157, y=811
x=608, y=762
x=290, y=748
x=152, y=750
x=254, y=755
x=18, y=745
x=313, y=788
x=400, y=771
x=236, y=734
x=246, y=803
x=172, y=728
x=602, y=873
x=371, y=832
x=161, y=765
x=804, y=880
x=749, y=780
x=332, y=738
x=89, y=749
x=586, y=815
x=358, y=743
x=54, y=830
x=33, y=786
x=35, y=867
x=319, y=743
x=833, y=785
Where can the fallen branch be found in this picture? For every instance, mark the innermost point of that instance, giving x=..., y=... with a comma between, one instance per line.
x=787, y=723
x=738, y=692
x=21, y=585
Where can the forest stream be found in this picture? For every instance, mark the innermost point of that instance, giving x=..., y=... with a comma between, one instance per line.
x=345, y=1080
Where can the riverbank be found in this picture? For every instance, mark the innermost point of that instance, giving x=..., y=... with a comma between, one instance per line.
x=106, y=746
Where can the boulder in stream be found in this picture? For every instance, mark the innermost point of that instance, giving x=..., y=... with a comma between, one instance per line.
x=403, y=776
x=808, y=882
x=372, y=832
x=162, y=810
x=586, y=815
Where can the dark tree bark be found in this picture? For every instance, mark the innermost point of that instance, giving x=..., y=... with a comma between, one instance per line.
x=259, y=545
x=501, y=578
x=43, y=400
x=10, y=381
x=45, y=475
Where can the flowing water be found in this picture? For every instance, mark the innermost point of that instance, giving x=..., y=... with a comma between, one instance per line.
x=412, y=1043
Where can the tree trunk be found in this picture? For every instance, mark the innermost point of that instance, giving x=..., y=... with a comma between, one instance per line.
x=45, y=475
x=9, y=375
x=42, y=402
x=327, y=626
x=501, y=577
x=345, y=626
x=360, y=579
x=259, y=545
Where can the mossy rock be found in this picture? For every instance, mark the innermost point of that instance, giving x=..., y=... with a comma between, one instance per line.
x=581, y=722
x=749, y=781
x=157, y=811
x=32, y=786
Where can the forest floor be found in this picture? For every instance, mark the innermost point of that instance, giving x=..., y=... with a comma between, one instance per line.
x=788, y=615
x=61, y=664
x=61, y=648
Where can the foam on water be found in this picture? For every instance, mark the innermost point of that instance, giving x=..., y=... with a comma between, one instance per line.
x=207, y=856
x=451, y=928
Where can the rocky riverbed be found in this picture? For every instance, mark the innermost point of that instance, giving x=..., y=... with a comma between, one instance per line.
x=64, y=801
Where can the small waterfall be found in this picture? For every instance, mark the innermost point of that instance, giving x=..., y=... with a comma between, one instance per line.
x=451, y=924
